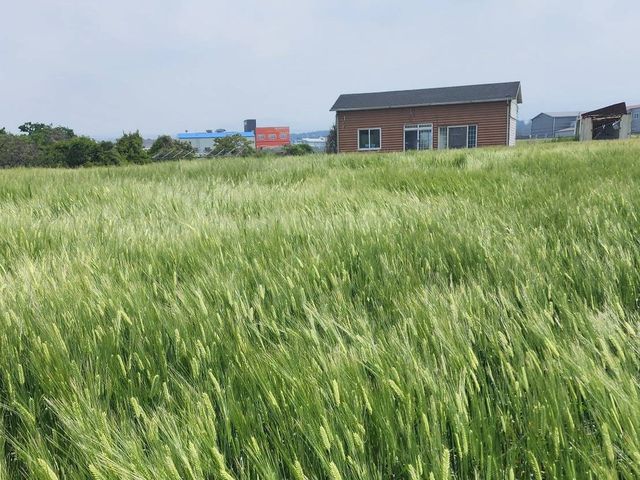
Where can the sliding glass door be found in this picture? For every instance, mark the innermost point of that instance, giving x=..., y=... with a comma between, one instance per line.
x=410, y=139
x=457, y=137
x=462, y=136
x=418, y=137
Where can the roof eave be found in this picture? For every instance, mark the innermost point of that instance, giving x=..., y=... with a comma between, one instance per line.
x=390, y=107
x=519, y=94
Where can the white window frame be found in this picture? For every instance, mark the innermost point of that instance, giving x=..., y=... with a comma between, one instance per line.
x=441, y=145
x=368, y=130
x=476, y=142
x=448, y=127
x=416, y=127
x=636, y=116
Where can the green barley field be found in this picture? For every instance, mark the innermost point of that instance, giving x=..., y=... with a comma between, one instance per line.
x=467, y=315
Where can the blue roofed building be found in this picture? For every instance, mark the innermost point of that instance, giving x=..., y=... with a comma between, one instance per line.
x=203, y=142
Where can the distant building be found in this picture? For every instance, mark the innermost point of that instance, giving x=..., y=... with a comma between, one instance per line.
x=318, y=144
x=250, y=125
x=272, y=137
x=607, y=123
x=203, y=142
x=634, y=111
x=450, y=117
x=554, y=124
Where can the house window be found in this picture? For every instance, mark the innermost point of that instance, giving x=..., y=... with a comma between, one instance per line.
x=459, y=136
x=283, y=136
x=261, y=136
x=418, y=137
x=472, y=136
x=272, y=136
x=636, y=116
x=369, y=138
x=442, y=138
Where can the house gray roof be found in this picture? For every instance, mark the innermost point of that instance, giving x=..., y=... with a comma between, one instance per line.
x=561, y=114
x=430, y=96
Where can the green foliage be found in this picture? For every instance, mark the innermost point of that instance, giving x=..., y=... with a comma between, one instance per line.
x=233, y=145
x=332, y=140
x=419, y=315
x=83, y=151
x=44, y=134
x=130, y=147
x=298, y=149
x=167, y=148
x=18, y=151
x=163, y=142
x=31, y=128
x=3, y=131
x=47, y=146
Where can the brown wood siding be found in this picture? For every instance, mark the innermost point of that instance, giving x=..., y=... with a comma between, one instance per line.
x=491, y=119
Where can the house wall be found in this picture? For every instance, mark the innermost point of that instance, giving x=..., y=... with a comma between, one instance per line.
x=586, y=130
x=543, y=126
x=513, y=123
x=635, y=120
x=492, y=119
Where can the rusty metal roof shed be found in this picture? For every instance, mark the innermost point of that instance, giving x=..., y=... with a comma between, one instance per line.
x=615, y=110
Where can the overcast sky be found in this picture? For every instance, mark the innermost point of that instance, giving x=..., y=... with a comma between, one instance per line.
x=161, y=66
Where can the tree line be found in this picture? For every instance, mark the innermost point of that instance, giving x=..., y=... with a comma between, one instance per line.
x=42, y=145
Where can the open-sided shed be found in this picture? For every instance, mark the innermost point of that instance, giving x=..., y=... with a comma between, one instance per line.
x=607, y=123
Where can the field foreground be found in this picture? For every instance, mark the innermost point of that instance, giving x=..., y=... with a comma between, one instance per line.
x=443, y=315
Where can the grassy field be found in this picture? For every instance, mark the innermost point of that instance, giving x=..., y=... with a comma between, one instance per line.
x=441, y=315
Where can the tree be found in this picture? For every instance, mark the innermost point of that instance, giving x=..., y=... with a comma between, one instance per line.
x=32, y=128
x=76, y=152
x=166, y=148
x=163, y=142
x=46, y=134
x=298, y=149
x=82, y=151
x=234, y=145
x=332, y=141
x=108, y=155
x=3, y=131
x=18, y=151
x=131, y=149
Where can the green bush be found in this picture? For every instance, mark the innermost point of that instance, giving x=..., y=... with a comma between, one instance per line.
x=44, y=134
x=108, y=155
x=167, y=148
x=131, y=148
x=82, y=151
x=298, y=149
x=76, y=152
x=332, y=141
x=18, y=151
x=233, y=145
